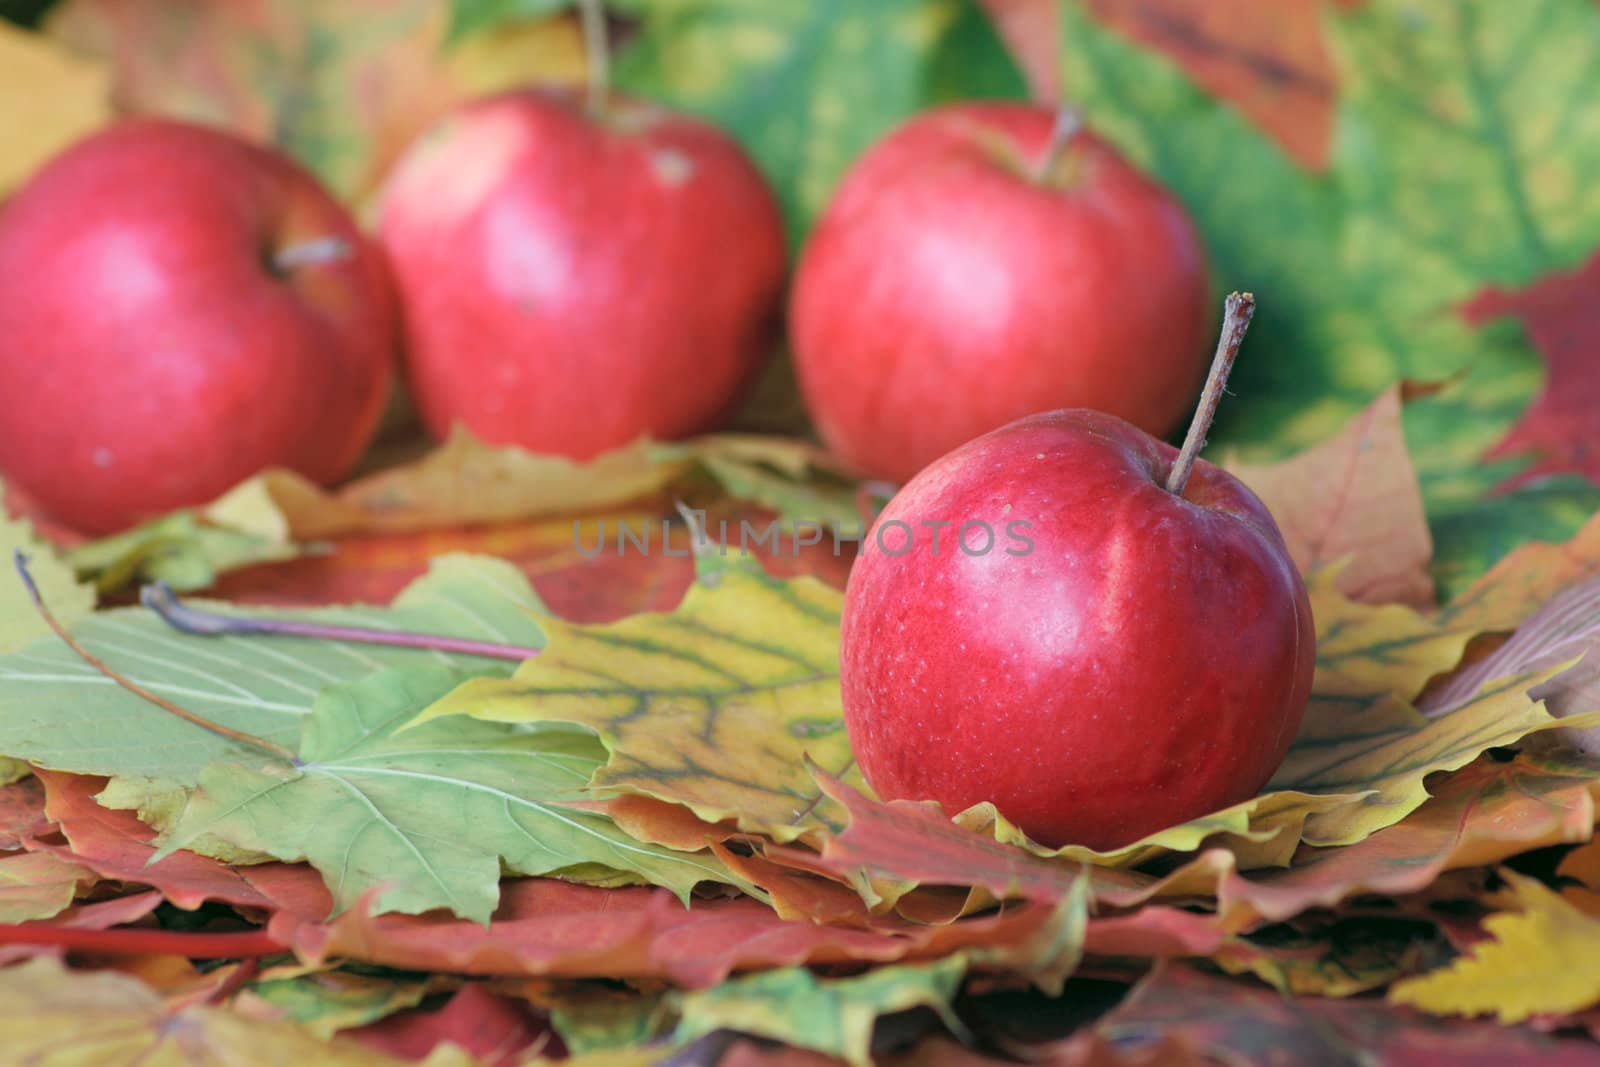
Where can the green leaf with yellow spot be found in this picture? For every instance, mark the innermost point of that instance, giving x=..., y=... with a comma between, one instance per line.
x=1459, y=162
x=714, y=705
x=807, y=85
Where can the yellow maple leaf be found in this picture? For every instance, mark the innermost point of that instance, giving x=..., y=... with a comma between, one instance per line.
x=1544, y=959
x=714, y=705
x=63, y=96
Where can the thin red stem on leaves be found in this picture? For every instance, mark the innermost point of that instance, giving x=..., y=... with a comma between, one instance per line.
x=160, y=598
x=1236, y=315
x=242, y=976
x=134, y=687
x=137, y=942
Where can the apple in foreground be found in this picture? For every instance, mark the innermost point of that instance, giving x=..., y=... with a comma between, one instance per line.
x=987, y=261
x=575, y=278
x=180, y=309
x=1098, y=655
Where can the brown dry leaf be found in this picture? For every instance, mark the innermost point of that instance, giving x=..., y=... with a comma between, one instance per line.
x=63, y=96
x=54, y=1017
x=343, y=87
x=1354, y=499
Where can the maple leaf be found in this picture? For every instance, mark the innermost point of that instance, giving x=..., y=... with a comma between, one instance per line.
x=1558, y=428
x=116, y=845
x=1483, y=813
x=59, y=712
x=1354, y=500
x=833, y=1016
x=1359, y=272
x=37, y=885
x=343, y=88
x=53, y=1017
x=22, y=815
x=1243, y=1022
x=425, y=817
x=1566, y=628
x=1524, y=580
x=497, y=1030
x=1544, y=959
x=807, y=87
x=715, y=705
x=327, y=1001
x=184, y=548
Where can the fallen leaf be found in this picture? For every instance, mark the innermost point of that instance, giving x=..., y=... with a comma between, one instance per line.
x=327, y=1001
x=497, y=1031
x=1544, y=959
x=182, y=548
x=343, y=87
x=1334, y=956
x=1479, y=815
x=59, y=712
x=715, y=705
x=426, y=817
x=22, y=815
x=1558, y=429
x=1235, y=1022
x=807, y=87
x=1269, y=60
x=547, y=927
x=1370, y=653
x=1389, y=749
x=1358, y=272
x=64, y=96
x=833, y=1016
x=53, y=1017
x=38, y=885
x=1566, y=628
x=116, y=845
x=1521, y=583
x=1354, y=500
x=69, y=600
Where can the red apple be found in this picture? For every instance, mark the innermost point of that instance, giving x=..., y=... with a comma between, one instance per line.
x=1099, y=656
x=968, y=273
x=180, y=309
x=573, y=282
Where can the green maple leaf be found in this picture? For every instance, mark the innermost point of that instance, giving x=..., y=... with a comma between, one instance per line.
x=1461, y=160
x=425, y=817
x=807, y=85
x=57, y=711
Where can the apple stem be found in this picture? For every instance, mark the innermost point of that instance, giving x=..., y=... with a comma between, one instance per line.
x=1236, y=312
x=1069, y=120
x=159, y=598
x=307, y=253
x=596, y=55
x=237, y=736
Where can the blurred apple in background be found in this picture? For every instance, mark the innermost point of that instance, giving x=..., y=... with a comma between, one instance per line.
x=178, y=310
x=575, y=278
x=986, y=261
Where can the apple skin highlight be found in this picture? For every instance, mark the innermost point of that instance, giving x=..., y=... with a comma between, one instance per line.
x=1145, y=661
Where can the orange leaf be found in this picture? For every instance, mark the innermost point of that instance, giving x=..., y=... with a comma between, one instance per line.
x=1354, y=495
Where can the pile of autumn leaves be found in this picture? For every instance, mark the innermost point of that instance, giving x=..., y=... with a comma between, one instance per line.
x=651, y=831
